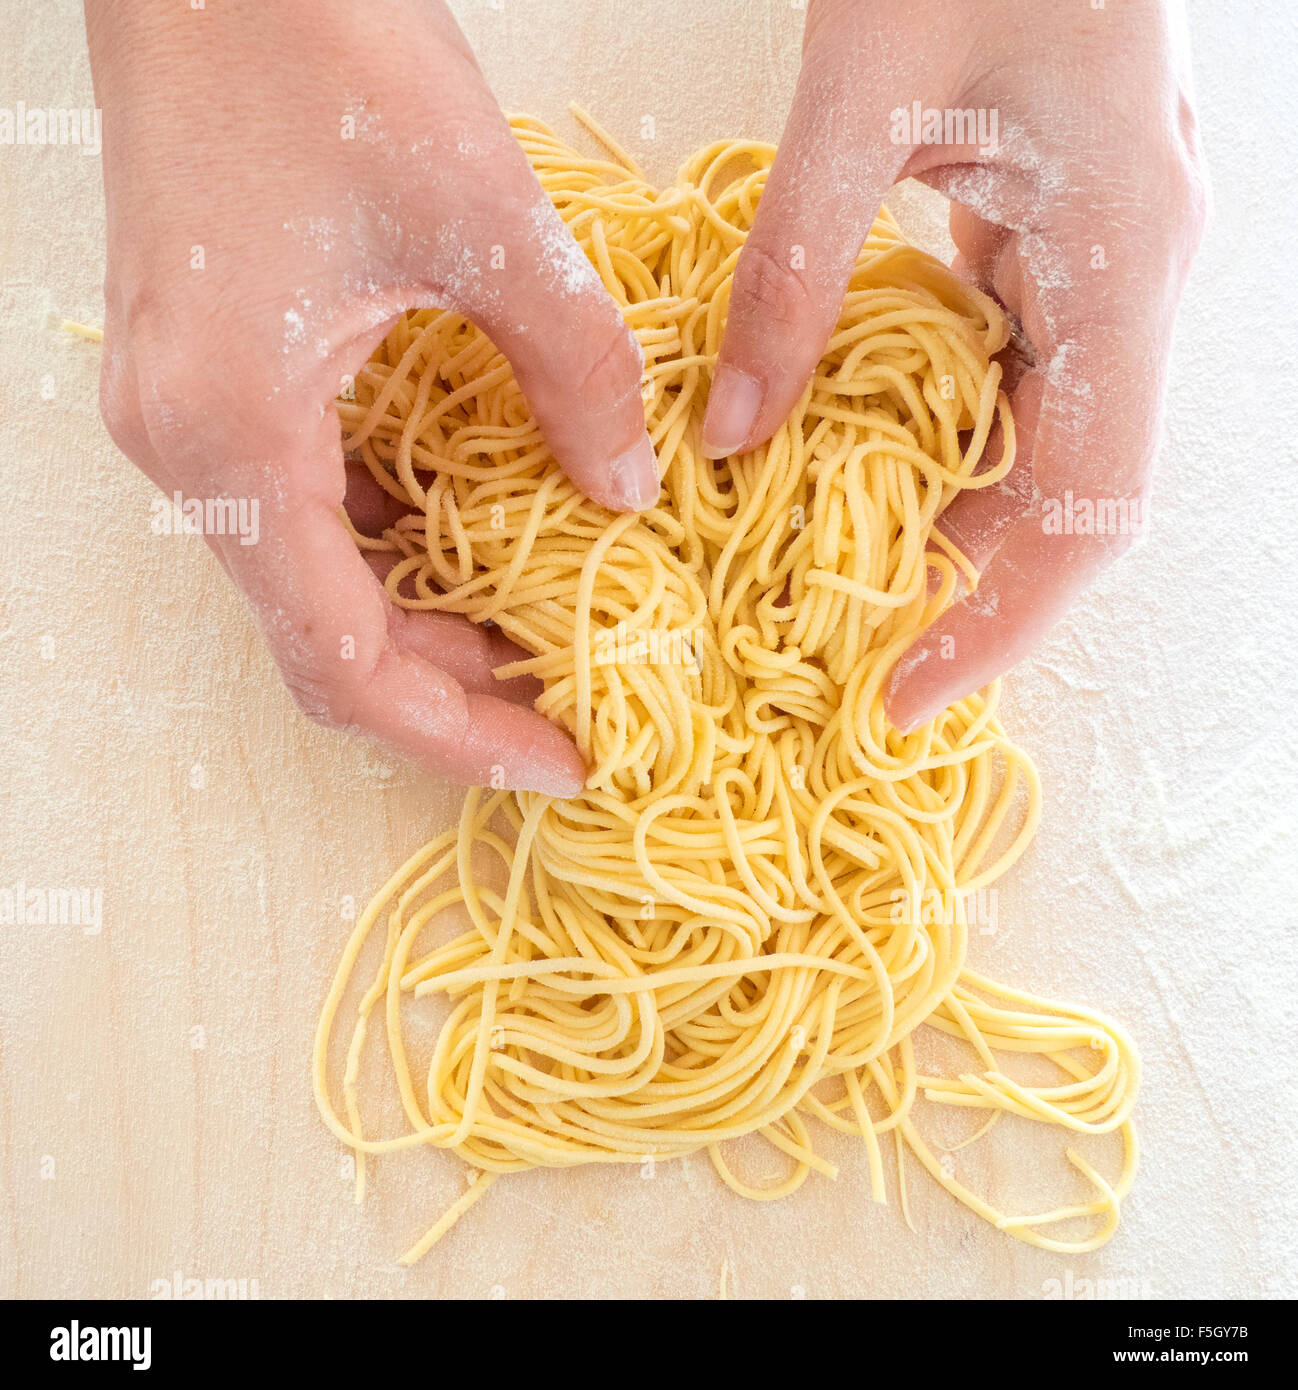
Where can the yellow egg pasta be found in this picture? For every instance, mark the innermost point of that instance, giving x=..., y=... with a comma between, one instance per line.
x=762, y=893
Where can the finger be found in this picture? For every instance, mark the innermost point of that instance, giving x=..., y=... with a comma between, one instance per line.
x=470, y=652
x=578, y=364
x=530, y=287
x=836, y=161
x=1030, y=583
x=347, y=656
x=978, y=519
x=1091, y=422
x=979, y=246
x=371, y=509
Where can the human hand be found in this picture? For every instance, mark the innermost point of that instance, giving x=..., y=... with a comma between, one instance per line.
x=282, y=181
x=1082, y=220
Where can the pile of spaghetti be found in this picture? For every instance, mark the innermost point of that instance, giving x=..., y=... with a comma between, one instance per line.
x=758, y=899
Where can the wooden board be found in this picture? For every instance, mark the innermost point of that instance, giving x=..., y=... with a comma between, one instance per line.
x=156, y=1120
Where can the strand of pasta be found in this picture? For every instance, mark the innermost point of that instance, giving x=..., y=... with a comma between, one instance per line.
x=725, y=934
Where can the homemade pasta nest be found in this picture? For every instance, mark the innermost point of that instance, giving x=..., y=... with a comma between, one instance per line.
x=732, y=929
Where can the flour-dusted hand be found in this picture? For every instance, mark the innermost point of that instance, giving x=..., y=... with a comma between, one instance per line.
x=282, y=181
x=1064, y=136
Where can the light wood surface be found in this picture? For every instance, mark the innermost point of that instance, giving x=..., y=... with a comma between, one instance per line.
x=155, y=1106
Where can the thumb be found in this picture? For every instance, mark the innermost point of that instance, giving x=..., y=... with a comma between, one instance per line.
x=835, y=162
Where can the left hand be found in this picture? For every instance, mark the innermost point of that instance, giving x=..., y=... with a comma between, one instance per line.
x=1082, y=219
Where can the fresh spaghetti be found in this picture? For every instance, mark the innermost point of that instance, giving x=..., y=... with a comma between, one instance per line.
x=760, y=896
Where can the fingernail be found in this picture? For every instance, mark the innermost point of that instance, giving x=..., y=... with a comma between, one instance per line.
x=733, y=404
x=910, y=660
x=634, y=477
x=917, y=721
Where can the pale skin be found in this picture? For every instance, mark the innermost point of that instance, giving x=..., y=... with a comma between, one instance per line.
x=225, y=130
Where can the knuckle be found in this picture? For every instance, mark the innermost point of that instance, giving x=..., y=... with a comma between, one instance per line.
x=770, y=286
x=329, y=688
x=326, y=697
x=165, y=405
x=613, y=372
x=160, y=392
x=1177, y=207
x=119, y=404
x=145, y=387
x=1172, y=188
x=1191, y=196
